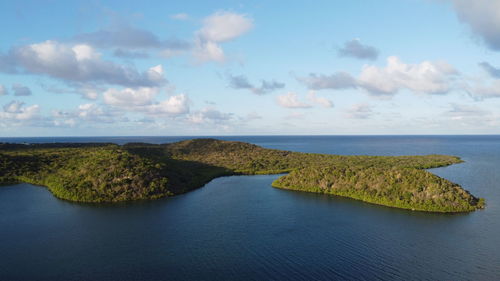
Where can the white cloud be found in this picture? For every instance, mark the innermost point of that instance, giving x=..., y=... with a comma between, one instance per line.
x=155, y=73
x=290, y=100
x=130, y=97
x=208, y=51
x=217, y=28
x=76, y=63
x=143, y=100
x=174, y=105
x=15, y=111
x=483, y=17
x=425, y=77
x=324, y=102
x=223, y=26
x=88, y=92
x=83, y=52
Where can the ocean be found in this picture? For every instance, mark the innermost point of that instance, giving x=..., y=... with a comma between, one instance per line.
x=240, y=228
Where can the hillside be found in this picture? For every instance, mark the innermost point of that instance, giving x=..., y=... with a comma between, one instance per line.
x=136, y=171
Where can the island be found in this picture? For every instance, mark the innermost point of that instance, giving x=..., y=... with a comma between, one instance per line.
x=106, y=172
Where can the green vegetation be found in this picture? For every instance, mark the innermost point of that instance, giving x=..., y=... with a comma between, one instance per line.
x=135, y=171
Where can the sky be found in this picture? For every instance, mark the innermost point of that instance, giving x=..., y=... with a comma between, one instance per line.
x=166, y=68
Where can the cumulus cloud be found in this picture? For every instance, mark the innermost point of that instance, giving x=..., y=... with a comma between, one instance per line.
x=355, y=49
x=21, y=90
x=130, y=97
x=241, y=82
x=291, y=100
x=3, y=90
x=360, y=111
x=16, y=112
x=143, y=100
x=425, y=77
x=208, y=51
x=173, y=106
x=77, y=63
x=339, y=80
x=324, y=102
x=483, y=17
x=217, y=28
x=224, y=26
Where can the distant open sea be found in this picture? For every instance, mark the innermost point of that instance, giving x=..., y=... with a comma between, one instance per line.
x=240, y=228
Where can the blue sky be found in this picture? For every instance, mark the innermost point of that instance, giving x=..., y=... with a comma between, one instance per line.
x=90, y=68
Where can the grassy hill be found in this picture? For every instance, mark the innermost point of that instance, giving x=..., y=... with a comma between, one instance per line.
x=136, y=171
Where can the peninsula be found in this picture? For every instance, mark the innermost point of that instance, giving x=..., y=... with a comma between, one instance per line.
x=105, y=172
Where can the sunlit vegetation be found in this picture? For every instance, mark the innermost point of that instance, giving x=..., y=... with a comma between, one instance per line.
x=135, y=171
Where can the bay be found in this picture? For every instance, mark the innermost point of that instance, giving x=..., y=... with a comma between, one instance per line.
x=240, y=228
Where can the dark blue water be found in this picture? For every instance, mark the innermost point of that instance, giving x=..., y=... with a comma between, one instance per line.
x=240, y=228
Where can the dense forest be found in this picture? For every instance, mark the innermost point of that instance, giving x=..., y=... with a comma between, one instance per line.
x=100, y=172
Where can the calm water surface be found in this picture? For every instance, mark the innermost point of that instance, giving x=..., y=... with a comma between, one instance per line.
x=240, y=228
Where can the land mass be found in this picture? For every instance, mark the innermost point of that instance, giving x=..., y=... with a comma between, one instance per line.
x=105, y=172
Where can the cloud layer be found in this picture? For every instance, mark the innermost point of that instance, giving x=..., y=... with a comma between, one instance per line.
x=425, y=77
x=217, y=28
x=77, y=63
x=15, y=113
